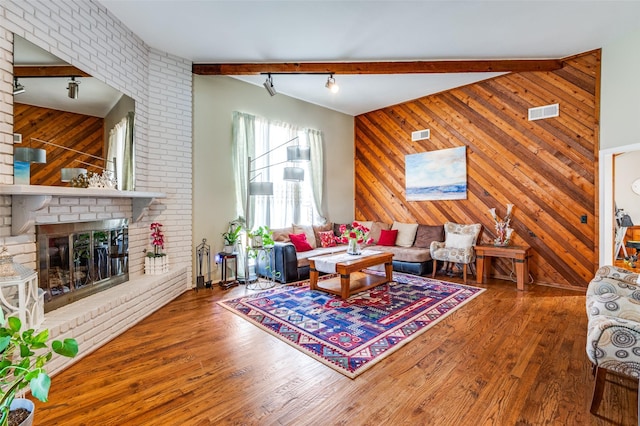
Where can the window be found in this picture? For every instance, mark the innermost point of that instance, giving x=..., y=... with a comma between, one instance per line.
x=291, y=202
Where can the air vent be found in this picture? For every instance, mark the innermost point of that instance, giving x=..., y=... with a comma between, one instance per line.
x=546, y=111
x=17, y=138
x=419, y=135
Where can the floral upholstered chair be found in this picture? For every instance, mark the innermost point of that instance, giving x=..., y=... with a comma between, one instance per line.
x=457, y=247
x=613, y=336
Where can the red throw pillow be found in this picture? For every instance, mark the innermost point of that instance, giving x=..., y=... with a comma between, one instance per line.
x=300, y=242
x=388, y=237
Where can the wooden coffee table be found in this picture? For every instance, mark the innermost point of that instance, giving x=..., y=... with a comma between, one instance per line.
x=351, y=279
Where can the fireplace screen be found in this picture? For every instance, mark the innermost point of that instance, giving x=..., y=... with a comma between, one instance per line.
x=79, y=259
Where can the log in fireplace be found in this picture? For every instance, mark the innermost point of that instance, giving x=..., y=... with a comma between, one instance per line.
x=79, y=259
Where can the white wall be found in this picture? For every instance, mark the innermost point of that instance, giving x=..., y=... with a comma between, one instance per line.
x=214, y=99
x=620, y=92
x=627, y=169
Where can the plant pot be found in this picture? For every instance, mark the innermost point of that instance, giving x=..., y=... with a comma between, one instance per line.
x=228, y=249
x=27, y=404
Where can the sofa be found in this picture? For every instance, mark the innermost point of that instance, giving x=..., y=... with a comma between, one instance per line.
x=409, y=243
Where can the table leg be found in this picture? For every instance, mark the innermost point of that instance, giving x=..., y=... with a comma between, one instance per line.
x=345, y=285
x=520, y=272
x=483, y=265
x=313, y=275
x=388, y=269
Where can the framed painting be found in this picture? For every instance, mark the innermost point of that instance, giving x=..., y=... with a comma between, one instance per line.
x=437, y=175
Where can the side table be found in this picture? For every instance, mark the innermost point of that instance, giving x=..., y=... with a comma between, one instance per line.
x=229, y=273
x=519, y=254
x=258, y=284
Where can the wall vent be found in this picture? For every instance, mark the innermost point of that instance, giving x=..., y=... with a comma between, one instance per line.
x=419, y=135
x=546, y=111
x=17, y=138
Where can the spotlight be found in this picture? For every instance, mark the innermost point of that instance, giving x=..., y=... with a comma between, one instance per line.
x=73, y=88
x=17, y=87
x=269, y=85
x=332, y=85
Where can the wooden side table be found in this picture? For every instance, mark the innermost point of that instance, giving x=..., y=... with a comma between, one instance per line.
x=229, y=272
x=520, y=255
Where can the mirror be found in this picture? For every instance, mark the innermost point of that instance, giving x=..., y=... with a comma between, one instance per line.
x=82, y=123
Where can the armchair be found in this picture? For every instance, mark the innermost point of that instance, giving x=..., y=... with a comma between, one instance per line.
x=613, y=334
x=457, y=247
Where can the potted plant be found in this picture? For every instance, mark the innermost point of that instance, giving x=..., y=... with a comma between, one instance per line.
x=23, y=354
x=231, y=238
x=156, y=261
x=261, y=237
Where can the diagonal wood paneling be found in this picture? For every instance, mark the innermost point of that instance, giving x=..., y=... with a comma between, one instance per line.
x=546, y=168
x=82, y=132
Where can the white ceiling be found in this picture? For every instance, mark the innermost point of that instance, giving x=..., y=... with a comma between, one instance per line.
x=212, y=31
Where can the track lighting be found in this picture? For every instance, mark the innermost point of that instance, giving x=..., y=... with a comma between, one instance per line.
x=269, y=85
x=332, y=85
x=73, y=88
x=17, y=87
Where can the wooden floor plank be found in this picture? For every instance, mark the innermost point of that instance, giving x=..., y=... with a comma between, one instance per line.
x=507, y=357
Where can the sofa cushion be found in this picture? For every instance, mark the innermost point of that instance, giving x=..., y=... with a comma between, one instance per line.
x=388, y=237
x=300, y=242
x=317, y=229
x=406, y=233
x=427, y=233
x=405, y=254
x=281, y=235
x=308, y=231
x=376, y=227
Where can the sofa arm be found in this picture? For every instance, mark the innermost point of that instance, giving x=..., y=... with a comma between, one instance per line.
x=283, y=261
x=613, y=343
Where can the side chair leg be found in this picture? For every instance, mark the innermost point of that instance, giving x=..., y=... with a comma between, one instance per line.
x=598, y=389
x=435, y=268
x=464, y=272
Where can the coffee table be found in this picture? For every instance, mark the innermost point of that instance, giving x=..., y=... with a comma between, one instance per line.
x=351, y=279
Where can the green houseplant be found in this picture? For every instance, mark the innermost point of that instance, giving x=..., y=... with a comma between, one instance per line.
x=23, y=356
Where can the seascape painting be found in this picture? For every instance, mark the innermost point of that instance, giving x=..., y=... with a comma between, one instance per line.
x=437, y=175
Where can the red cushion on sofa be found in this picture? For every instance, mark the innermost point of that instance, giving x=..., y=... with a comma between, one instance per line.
x=388, y=237
x=300, y=242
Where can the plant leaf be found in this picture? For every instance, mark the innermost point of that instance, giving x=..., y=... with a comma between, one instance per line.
x=4, y=342
x=40, y=386
x=68, y=348
x=14, y=324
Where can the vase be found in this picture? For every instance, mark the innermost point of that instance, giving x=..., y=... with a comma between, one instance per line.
x=26, y=404
x=353, y=247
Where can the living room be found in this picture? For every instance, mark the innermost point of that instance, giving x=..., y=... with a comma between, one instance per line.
x=167, y=153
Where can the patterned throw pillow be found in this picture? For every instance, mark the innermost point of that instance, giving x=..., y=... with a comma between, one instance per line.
x=327, y=239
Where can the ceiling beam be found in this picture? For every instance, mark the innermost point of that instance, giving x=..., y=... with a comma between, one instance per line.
x=414, y=67
x=48, y=71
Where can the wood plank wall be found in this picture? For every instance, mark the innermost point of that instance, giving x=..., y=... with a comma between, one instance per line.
x=82, y=132
x=546, y=168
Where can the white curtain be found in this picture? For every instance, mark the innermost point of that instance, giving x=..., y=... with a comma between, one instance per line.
x=121, y=150
x=265, y=143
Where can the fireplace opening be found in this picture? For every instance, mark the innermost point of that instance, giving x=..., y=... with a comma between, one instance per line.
x=79, y=259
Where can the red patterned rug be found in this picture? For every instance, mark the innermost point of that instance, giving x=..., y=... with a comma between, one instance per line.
x=352, y=335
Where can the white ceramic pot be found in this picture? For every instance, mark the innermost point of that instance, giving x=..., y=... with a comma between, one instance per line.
x=27, y=404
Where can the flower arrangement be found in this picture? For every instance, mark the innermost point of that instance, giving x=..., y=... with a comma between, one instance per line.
x=502, y=227
x=354, y=237
x=157, y=239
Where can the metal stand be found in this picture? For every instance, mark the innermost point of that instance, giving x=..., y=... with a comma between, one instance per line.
x=263, y=285
x=203, y=252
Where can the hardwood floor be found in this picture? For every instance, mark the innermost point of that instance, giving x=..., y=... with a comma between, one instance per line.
x=506, y=358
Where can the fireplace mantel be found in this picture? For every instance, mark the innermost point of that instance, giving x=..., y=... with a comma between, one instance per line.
x=27, y=199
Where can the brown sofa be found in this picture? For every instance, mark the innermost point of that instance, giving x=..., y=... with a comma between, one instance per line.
x=411, y=251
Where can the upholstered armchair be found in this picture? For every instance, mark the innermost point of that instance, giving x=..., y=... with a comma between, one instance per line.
x=613, y=336
x=457, y=247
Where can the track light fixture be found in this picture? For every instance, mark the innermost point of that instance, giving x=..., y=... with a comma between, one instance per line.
x=73, y=88
x=269, y=85
x=332, y=85
x=17, y=87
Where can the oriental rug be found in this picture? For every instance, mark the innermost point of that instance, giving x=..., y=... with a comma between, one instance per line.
x=354, y=334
